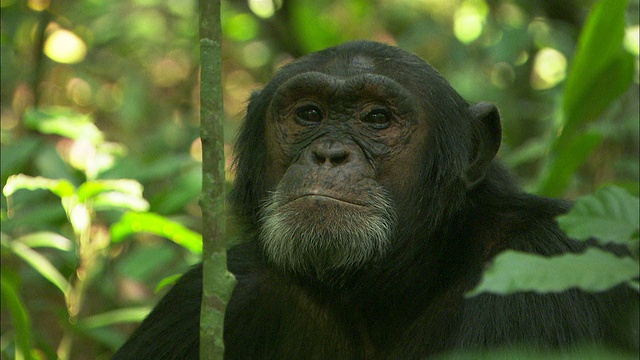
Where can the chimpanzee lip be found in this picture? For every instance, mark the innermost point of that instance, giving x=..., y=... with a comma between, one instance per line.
x=329, y=197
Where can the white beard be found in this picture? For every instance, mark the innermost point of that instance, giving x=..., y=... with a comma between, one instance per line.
x=325, y=241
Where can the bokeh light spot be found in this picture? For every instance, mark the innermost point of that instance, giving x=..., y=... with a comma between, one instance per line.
x=262, y=8
x=469, y=20
x=632, y=40
x=65, y=47
x=549, y=69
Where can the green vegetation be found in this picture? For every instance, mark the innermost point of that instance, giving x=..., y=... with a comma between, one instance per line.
x=101, y=156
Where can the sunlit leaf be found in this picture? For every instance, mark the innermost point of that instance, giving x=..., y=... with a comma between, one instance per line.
x=94, y=187
x=600, y=72
x=117, y=200
x=64, y=122
x=79, y=217
x=91, y=158
x=599, y=55
x=61, y=187
x=156, y=224
x=126, y=315
x=170, y=280
x=46, y=239
x=41, y=264
x=593, y=270
x=610, y=214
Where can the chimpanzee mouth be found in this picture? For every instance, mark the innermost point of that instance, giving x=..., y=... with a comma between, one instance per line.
x=327, y=198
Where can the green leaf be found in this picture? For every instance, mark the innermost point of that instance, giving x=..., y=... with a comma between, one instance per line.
x=594, y=98
x=19, y=318
x=64, y=122
x=41, y=264
x=117, y=200
x=601, y=71
x=126, y=315
x=94, y=187
x=594, y=270
x=46, y=239
x=156, y=224
x=598, y=54
x=169, y=280
x=610, y=214
x=61, y=188
x=568, y=159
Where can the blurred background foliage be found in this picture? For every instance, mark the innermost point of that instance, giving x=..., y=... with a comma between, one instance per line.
x=104, y=95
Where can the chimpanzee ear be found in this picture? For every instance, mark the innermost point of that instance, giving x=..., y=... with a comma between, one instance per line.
x=487, y=133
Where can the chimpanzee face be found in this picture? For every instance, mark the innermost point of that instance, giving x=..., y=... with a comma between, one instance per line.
x=341, y=150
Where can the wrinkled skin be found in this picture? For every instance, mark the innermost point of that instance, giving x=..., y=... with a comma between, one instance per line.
x=370, y=201
x=336, y=144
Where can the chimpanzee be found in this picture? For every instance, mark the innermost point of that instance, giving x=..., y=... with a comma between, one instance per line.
x=370, y=201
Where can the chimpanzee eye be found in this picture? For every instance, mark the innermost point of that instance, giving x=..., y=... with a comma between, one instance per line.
x=378, y=118
x=309, y=115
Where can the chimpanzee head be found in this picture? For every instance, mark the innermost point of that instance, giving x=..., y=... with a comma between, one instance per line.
x=348, y=151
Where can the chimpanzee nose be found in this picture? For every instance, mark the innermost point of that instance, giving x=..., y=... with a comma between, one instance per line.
x=331, y=152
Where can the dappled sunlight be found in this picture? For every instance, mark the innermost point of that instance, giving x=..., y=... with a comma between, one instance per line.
x=65, y=47
x=264, y=8
x=469, y=20
x=549, y=69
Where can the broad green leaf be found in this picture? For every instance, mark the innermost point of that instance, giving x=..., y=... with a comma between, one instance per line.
x=64, y=122
x=61, y=187
x=19, y=318
x=41, y=264
x=46, y=239
x=568, y=159
x=126, y=315
x=610, y=214
x=599, y=45
x=601, y=71
x=596, y=97
x=156, y=224
x=94, y=187
x=594, y=270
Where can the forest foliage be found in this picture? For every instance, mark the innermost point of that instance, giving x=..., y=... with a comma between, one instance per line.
x=101, y=156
